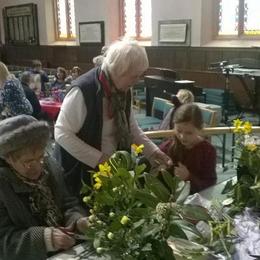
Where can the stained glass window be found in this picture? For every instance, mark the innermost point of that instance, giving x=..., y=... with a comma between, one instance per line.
x=252, y=17
x=65, y=18
x=136, y=18
x=239, y=17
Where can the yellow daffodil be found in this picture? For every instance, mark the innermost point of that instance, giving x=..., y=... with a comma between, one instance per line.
x=251, y=147
x=137, y=149
x=98, y=183
x=104, y=170
x=247, y=127
x=124, y=220
x=237, y=123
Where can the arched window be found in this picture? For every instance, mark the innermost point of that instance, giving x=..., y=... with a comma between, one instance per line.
x=136, y=19
x=65, y=19
x=239, y=18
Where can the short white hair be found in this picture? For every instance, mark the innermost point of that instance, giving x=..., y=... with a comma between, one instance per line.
x=124, y=56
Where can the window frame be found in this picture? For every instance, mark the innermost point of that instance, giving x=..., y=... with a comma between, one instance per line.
x=240, y=35
x=69, y=38
x=137, y=20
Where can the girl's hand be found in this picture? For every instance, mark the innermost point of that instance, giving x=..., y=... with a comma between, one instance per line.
x=182, y=172
x=60, y=240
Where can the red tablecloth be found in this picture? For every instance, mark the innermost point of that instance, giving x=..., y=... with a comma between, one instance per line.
x=52, y=108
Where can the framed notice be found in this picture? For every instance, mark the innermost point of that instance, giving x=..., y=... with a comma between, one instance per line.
x=175, y=32
x=21, y=24
x=92, y=33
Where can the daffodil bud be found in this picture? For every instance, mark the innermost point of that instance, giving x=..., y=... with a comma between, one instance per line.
x=111, y=214
x=110, y=235
x=86, y=199
x=124, y=220
x=100, y=250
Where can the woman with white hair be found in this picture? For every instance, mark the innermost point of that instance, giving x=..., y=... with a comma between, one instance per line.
x=12, y=97
x=96, y=116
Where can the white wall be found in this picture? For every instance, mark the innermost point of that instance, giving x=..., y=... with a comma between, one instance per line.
x=106, y=10
x=46, y=24
x=99, y=10
x=177, y=9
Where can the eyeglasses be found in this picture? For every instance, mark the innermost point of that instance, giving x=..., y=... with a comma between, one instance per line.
x=32, y=162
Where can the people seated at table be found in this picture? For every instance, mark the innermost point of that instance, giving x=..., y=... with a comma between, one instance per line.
x=27, y=80
x=59, y=82
x=36, y=210
x=75, y=73
x=194, y=158
x=37, y=69
x=96, y=116
x=183, y=96
x=12, y=97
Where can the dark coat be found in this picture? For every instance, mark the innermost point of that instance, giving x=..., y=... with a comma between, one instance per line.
x=21, y=236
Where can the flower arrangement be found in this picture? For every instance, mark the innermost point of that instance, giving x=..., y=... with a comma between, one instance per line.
x=136, y=215
x=246, y=192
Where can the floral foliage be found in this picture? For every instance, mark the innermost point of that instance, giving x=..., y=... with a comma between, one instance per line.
x=246, y=192
x=135, y=215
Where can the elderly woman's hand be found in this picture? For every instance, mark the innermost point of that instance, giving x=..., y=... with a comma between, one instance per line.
x=61, y=240
x=82, y=224
x=161, y=158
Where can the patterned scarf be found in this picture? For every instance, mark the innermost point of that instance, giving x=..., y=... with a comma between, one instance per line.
x=117, y=109
x=42, y=203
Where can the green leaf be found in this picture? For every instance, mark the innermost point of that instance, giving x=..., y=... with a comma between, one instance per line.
x=228, y=187
x=170, y=180
x=138, y=223
x=157, y=188
x=146, y=198
x=176, y=230
x=184, y=192
x=195, y=213
x=139, y=169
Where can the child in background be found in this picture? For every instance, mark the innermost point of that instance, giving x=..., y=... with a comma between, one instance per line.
x=75, y=72
x=59, y=82
x=194, y=158
x=183, y=96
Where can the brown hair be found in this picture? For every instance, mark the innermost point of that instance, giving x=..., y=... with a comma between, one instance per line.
x=186, y=113
x=189, y=113
x=62, y=70
x=76, y=69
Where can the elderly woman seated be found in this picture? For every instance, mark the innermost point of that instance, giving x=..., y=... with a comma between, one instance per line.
x=37, y=215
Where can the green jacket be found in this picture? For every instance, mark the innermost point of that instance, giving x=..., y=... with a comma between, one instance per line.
x=21, y=237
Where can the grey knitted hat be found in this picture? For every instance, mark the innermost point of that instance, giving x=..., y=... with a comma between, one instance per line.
x=19, y=132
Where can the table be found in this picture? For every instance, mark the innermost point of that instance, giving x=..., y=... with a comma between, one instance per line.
x=52, y=108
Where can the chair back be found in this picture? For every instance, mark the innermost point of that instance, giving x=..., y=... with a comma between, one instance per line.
x=168, y=106
x=209, y=117
x=158, y=107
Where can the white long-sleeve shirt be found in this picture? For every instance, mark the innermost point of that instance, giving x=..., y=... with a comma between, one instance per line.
x=71, y=119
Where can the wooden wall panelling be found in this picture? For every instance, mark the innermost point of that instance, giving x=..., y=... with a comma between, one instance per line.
x=196, y=59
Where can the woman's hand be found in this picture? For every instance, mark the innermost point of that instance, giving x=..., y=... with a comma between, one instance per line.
x=82, y=224
x=61, y=240
x=182, y=172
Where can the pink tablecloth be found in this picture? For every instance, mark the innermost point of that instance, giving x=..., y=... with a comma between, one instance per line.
x=52, y=108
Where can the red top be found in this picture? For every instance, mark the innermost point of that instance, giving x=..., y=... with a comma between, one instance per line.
x=200, y=160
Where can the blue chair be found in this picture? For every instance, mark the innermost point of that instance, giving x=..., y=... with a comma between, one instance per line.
x=158, y=111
